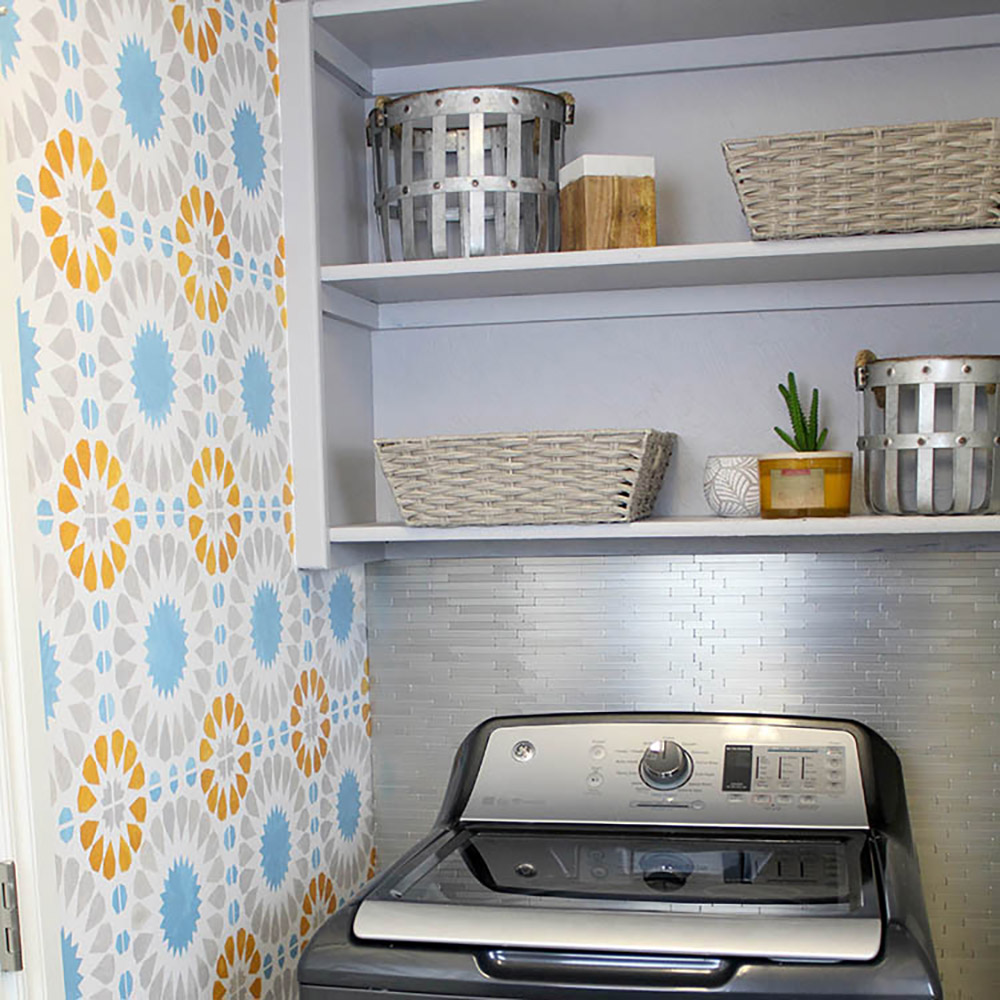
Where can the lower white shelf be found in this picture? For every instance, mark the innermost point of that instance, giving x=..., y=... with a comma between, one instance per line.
x=666, y=535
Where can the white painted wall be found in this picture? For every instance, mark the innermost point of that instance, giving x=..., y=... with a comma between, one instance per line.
x=710, y=378
x=681, y=119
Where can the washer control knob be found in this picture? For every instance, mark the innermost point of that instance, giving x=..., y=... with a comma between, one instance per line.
x=665, y=765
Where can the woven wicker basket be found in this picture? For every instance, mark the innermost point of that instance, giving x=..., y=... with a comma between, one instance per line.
x=889, y=179
x=548, y=477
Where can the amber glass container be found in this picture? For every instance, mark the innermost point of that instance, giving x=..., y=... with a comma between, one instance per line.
x=805, y=484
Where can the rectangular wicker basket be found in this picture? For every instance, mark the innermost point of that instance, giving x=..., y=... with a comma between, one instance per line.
x=546, y=477
x=879, y=179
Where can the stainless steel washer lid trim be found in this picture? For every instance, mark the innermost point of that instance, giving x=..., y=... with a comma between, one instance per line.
x=827, y=939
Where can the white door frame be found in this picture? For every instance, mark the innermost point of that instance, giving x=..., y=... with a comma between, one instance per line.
x=27, y=817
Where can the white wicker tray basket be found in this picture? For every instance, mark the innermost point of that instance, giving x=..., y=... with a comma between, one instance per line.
x=546, y=477
x=887, y=179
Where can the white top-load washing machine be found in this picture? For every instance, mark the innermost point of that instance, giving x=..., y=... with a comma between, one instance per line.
x=671, y=855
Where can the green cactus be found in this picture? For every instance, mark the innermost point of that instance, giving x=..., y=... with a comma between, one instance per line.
x=804, y=428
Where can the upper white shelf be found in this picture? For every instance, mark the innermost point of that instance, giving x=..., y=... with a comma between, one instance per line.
x=913, y=255
x=388, y=33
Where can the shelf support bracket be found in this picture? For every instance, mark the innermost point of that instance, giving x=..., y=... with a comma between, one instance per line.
x=340, y=62
x=338, y=304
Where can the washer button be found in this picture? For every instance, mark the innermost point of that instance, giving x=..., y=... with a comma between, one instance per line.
x=736, y=797
x=697, y=804
x=761, y=800
x=807, y=801
x=595, y=779
x=597, y=752
x=784, y=800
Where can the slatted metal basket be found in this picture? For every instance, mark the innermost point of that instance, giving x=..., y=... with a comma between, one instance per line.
x=468, y=171
x=930, y=434
x=542, y=477
x=875, y=179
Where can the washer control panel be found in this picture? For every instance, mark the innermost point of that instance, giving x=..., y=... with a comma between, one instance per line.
x=678, y=773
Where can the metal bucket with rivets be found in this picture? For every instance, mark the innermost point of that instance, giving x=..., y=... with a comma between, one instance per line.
x=468, y=171
x=930, y=433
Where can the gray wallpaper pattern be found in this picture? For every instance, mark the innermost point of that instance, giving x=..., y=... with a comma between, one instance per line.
x=906, y=642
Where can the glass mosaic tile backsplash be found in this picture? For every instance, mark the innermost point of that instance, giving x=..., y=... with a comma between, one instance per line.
x=908, y=643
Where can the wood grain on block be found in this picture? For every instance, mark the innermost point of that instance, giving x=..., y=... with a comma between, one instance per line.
x=603, y=213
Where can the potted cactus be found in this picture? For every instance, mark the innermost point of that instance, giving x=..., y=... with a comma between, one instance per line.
x=808, y=481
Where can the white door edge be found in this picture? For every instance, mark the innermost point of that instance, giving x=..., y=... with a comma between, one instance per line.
x=27, y=821
x=10, y=983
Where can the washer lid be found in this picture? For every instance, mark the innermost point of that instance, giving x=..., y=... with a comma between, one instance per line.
x=785, y=938
x=803, y=897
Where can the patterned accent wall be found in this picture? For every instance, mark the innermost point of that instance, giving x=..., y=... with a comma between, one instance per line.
x=207, y=704
x=908, y=643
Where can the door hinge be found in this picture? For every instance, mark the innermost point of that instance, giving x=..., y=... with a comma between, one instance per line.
x=10, y=927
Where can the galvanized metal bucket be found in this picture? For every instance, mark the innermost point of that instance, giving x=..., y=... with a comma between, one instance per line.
x=930, y=434
x=468, y=171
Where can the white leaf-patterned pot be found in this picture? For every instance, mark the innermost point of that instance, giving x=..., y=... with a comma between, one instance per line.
x=732, y=485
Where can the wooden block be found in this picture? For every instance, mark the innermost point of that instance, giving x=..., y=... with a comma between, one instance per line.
x=604, y=212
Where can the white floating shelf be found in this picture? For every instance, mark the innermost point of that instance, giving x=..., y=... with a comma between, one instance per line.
x=677, y=527
x=827, y=258
x=678, y=534
x=387, y=33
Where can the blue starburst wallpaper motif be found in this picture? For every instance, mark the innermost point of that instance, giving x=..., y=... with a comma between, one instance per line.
x=181, y=904
x=265, y=625
x=205, y=702
x=9, y=37
x=166, y=646
x=275, y=848
x=248, y=149
x=141, y=91
x=29, y=355
x=342, y=607
x=348, y=805
x=153, y=374
x=72, y=978
x=257, y=391
x=50, y=674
